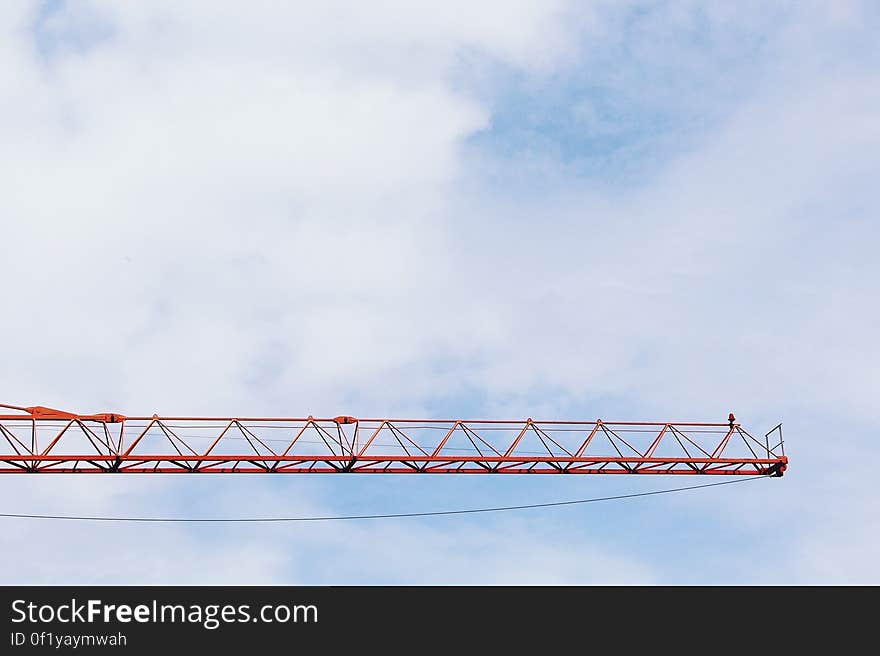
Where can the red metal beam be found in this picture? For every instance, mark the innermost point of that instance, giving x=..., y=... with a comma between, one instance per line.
x=42, y=440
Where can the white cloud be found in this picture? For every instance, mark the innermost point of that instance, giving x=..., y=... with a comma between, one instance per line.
x=205, y=211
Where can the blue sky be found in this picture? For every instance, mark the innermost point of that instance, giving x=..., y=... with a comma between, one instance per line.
x=638, y=210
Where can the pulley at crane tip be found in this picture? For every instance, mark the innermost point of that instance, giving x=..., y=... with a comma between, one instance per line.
x=778, y=469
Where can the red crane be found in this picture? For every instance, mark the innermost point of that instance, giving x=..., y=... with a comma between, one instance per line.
x=43, y=440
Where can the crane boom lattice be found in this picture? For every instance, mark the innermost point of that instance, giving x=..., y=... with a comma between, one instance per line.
x=43, y=440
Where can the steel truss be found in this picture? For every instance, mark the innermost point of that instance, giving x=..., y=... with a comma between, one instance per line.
x=43, y=440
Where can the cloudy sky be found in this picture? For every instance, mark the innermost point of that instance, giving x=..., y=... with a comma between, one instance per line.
x=640, y=210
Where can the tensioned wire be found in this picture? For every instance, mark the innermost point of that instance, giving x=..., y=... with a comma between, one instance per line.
x=337, y=518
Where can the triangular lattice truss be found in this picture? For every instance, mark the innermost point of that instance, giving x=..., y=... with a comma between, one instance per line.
x=42, y=440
